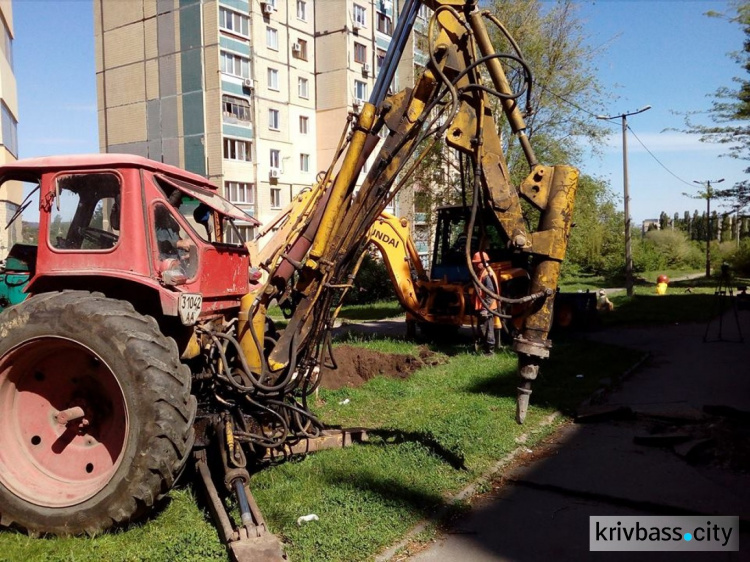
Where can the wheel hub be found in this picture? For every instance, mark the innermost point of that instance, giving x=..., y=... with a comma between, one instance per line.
x=64, y=422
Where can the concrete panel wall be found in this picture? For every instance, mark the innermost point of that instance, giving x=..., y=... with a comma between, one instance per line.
x=126, y=84
x=126, y=123
x=116, y=13
x=124, y=45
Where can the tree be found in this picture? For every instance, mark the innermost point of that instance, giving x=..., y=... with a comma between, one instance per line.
x=663, y=221
x=730, y=111
x=688, y=224
x=554, y=46
x=596, y=241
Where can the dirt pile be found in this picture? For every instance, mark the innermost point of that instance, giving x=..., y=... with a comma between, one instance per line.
x=357, y=365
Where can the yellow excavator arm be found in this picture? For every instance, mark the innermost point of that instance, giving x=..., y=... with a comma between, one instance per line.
x=310, y=264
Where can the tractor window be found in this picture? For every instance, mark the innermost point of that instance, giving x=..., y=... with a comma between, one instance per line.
x=173, y=242
x=86, y=212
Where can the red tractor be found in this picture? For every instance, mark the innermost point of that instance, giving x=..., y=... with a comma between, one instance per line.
x=97, y=411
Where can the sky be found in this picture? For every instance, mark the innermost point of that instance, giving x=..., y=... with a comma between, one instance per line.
x=666, y=54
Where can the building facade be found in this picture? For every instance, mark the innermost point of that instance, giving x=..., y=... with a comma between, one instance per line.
x=10, y=199
x=252, y=94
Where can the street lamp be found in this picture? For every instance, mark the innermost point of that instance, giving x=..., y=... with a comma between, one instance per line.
x=628, y=251
x=707, y=195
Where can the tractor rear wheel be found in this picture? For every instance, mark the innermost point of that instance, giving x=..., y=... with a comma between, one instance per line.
x=96, y=415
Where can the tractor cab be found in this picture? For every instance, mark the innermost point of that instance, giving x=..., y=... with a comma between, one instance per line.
x=125, y=226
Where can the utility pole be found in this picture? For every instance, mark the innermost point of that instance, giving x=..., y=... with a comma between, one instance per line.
x=707, y=195
x=628, y=250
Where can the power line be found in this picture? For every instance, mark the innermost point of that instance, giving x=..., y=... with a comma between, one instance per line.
x=584, y=110
x=573, y=104
x=657, y=160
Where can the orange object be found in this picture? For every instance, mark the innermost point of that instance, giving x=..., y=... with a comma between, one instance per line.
x=480, y=257
x=662, y=279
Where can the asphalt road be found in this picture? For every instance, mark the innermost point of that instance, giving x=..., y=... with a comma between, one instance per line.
x=617, y=467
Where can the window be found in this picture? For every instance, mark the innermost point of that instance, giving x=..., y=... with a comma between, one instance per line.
x=10, y=131
x=384, y=24
x=424, y=12
x=421, y=42
x=236, y=110
x=233, y=22
x=304, y=124
x=87, y=212
x=275, y=159
x=7, y=45
x=235, y=65
x=360, y=90
x=301, y=10
x=276, y=198
x=301, y=52
x=273, y=79
x=360, y=53
x=303, y=87
x=244, y=233
x=239, y=192
x=236, y=149
x=273, y=119
x=379, y=59
x=272, y=38
x=359, y=15
x=304, y=162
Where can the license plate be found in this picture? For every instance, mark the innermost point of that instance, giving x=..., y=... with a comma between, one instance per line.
x=189, y=308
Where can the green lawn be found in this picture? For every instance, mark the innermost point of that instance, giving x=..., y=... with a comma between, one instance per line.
x=431, y=435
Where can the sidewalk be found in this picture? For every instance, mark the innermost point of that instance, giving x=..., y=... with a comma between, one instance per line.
x=541, y=511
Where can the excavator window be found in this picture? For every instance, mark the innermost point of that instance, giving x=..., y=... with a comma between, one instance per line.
x=449, y=259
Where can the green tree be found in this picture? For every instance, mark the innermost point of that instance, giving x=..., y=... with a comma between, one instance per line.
x=554, y=46
x=597, y=241
x=663, y=221
x=730, y=110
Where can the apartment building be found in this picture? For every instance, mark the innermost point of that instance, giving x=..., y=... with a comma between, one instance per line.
x=10, y=199
x=252, y=94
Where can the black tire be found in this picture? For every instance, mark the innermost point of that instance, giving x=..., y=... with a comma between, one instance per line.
x=151, y=387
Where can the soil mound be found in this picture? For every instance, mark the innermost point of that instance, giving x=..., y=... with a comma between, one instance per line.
x=357, y=365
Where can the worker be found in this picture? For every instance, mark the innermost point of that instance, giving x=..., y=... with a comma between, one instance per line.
x=483, y=303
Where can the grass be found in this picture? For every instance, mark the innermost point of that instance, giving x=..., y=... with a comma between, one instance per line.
x=692, y=300
x=583, y=282
x=431, y=435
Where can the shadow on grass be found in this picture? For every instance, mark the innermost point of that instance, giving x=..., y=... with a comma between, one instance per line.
x=426, y=505
x=455, y=459
x=640, y=310
x=575, y=369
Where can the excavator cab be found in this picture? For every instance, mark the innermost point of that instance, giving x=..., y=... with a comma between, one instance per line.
x=449, y=261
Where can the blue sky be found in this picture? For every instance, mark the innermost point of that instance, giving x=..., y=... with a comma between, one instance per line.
x=663, y=53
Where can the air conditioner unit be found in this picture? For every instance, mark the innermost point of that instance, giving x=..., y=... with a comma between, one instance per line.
x=268, y=9
x=274, y=173
x=297, y=48
x=366, y=68
x=357, y=103
x=248, y=84
x=356, y=26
